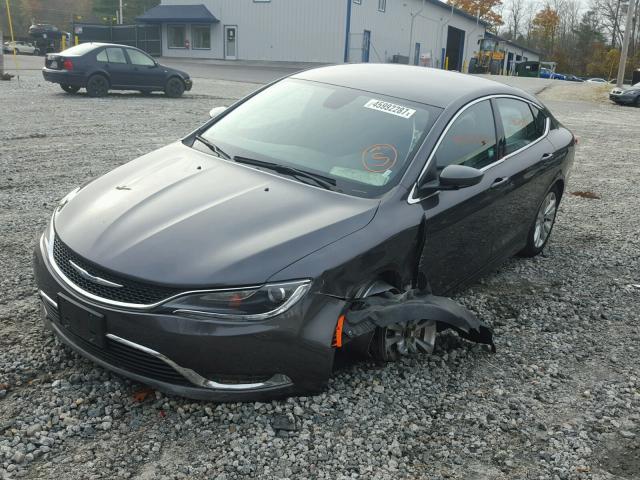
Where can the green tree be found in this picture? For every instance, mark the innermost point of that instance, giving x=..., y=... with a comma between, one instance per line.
x=587, y=35
x=131, y=8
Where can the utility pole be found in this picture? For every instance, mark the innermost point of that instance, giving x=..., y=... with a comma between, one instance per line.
x=1, y=56
x=121, y=12
x=625, y=43
x=413, y=20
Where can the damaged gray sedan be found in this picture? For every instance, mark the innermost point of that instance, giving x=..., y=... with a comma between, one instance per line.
x=330, y=210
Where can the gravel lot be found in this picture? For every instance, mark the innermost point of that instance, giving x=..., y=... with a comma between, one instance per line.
x=559, y=400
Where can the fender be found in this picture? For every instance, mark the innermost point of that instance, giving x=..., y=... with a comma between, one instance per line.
x=366, y=314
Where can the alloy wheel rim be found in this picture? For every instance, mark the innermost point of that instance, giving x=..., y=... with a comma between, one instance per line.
x=544, y=220
x=409, y=338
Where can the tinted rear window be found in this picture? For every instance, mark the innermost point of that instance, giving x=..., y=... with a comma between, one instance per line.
x=78, y=49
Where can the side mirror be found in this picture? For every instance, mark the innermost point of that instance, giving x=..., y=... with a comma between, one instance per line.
x=215, y=111
x=453, y=177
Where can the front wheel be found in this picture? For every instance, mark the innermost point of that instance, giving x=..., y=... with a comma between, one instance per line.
x=540, y=231
x=401, y=339
x=174, y=88
x=97, y=86
x=69, y=88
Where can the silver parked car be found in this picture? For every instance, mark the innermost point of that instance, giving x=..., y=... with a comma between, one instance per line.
x=21, y=48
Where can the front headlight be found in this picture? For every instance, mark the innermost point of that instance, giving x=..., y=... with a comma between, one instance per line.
x=247, y=305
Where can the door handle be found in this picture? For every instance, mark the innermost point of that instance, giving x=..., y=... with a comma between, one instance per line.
x=547, y=156
x=499, y=181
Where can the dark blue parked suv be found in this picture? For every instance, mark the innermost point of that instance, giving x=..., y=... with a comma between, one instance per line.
x=100, y=67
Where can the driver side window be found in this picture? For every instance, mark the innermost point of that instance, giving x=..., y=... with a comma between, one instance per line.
x=471, y=139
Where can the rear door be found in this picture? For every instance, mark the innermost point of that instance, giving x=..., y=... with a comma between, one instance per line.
x=115, y=63
x=525, y=171
x=145, y=70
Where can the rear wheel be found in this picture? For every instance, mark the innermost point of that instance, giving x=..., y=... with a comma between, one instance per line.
x=540, y=231
x=97, y=86
x=174, y=87
x=69, y=88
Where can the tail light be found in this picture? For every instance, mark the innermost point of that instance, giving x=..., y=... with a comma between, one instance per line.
x=67, y=64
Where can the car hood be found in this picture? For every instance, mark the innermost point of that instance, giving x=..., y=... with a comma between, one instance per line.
x=181, y=217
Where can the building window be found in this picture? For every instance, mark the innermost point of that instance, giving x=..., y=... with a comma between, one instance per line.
x=382, y=5
x=201, y=37
x=176, y=36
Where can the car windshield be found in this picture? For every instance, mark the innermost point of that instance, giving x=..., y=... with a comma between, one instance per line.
x=361, y=140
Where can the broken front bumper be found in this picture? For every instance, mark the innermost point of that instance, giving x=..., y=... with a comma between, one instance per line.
x=202, y=359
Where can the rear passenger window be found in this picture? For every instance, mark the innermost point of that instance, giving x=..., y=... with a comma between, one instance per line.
x=102, y=56
x=519, y=125
x=115, y=55
x=541, y=120
x=471, y=139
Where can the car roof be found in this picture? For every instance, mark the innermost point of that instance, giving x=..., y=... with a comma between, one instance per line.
x=101, y=44
x=431, y=86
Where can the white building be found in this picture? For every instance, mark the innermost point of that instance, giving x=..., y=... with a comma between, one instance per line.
x=328, y=31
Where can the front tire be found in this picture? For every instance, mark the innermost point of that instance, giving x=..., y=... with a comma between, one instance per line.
x=69, y=88
x=174, y=88
x=391, y=343
x=540, y=231
x=97, y=86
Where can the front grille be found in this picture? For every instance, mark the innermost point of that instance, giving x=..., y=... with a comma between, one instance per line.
x=131, y=291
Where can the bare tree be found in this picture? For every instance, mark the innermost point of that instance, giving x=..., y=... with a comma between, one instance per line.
x=610, y=12
x=515, y=12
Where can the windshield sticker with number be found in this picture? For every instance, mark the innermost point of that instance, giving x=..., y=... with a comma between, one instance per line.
x=392, y=108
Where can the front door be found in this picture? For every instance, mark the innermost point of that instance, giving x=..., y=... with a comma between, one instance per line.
x=146, y=72
x=230, y=42
x=366, y=46
x=116, y=65
x=460, y=223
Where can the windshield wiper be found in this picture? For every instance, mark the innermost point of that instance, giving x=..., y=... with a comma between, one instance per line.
x=320, y=180
x=213, y=147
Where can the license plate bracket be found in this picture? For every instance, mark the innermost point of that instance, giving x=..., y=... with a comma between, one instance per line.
x=82, y=321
